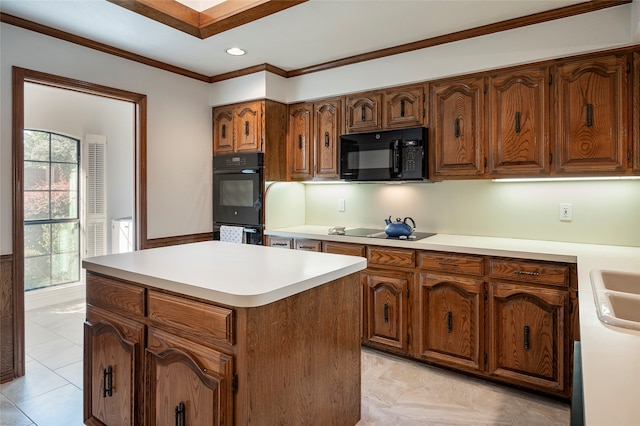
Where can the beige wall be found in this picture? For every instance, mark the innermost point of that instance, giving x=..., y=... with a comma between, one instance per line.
x=604, y=212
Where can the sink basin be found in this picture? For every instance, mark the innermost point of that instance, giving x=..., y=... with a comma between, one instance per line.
x=617, y=297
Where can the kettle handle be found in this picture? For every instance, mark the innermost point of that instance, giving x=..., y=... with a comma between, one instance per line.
x=414, y=224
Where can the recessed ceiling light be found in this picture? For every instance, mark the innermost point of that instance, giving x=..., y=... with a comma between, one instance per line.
x=235, y=51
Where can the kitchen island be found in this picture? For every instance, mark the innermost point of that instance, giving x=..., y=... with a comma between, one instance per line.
x=222, y=333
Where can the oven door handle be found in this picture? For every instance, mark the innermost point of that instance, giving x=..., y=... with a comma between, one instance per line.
x=250, y=230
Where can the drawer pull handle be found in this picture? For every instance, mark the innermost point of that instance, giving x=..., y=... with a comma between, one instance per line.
x=448, y=264
x=224, y=131
x=589, y=115
x=306, y=247
x=299, y=141
x=280, y=244
x=518, y=122
x=526, y=337
x=385, y=312
x=449, y=322
x=246, y=128
x=402, y=108
x=326, y=139
x=107, y=382
x=533, y=274
x=363, y=113
x=456, y=127
x=180, y=414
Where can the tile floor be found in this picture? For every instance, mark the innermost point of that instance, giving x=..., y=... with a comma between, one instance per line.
x=394, y=391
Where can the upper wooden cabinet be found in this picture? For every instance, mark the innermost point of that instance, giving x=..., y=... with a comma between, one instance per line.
x=238, y=128
x=518, y=123
x=393, y=108
x=314, y=133
x=592, y=98
x=457, y=129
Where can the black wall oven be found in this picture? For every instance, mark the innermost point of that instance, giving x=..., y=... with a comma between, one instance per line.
x=238, y=184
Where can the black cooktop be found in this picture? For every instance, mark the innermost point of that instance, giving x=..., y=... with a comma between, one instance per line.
x=379, y=233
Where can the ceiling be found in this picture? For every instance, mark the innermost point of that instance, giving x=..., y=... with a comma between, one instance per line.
x=302, y=36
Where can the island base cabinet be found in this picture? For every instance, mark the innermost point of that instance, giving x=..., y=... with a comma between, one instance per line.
x=527, y=335
x=186, y=383
x=112, y=369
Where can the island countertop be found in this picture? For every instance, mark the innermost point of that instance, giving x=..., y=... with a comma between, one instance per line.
x=239, y=275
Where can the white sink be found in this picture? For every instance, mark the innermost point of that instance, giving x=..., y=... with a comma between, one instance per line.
x=617, y=297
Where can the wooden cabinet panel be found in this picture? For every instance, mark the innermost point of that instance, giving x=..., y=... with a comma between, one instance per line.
x=248, y=127
x=186, y=383
x=636, y=112
x=457, y=128
x=280, y=242
x=530, y=271
x=364, y=112
x=527, y=335
x=391, y=257
x=591, y=127
x=308, y=245
x=404, y=107
x=518, y=126
x=200, y=321
x=387, y=301
x=451, y=320
x=301, y=141
x=112, y=369
x=114, y=295
x=327, y=126
x=344, y=248
x=223, y=130
x=456, y=263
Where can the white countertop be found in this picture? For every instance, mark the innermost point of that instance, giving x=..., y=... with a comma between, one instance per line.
x=238, y=275
x=610, y=355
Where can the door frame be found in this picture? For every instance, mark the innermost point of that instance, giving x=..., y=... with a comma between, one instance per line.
x=20, y=77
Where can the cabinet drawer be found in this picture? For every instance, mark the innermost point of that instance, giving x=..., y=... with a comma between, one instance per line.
x=309, y=245
x=532, y=272
x=344, y=248
x=280, y=242
x=391, y=257
x=460, y=264
x=114, y=295
x=190, y=318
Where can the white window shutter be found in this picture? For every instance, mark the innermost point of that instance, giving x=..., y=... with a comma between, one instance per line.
x=95, y=168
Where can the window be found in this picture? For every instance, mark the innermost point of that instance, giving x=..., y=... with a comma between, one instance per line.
x=51, y=216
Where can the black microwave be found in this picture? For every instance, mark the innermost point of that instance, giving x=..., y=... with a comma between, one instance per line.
x=384, y=156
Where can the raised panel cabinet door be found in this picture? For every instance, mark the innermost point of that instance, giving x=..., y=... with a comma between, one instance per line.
x=248, y=127
x=527, y=335
x=458, y=134
x=301, y=141
x=387, y=305
x=592, y=113
x=111, y=375
x=404, y=107
x=518, y=129
x=451, y=313
x=636, y=112
x=222, y=130
x=364, y=112
x=327, y=128
x=186, y=384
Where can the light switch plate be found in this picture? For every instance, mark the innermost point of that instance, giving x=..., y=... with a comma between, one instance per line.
x=566, y=212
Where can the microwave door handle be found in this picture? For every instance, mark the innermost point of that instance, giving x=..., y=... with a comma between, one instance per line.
x=396, y=157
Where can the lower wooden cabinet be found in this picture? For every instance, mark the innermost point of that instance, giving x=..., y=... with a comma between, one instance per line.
x=386, y=300
x=527, y=335
x=112, y=369
x=451, y=320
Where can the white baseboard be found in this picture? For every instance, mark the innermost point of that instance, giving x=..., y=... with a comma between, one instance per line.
x=40, y=298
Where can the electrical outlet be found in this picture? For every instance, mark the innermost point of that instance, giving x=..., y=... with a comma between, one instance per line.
x=341, y=206
x=565, y=212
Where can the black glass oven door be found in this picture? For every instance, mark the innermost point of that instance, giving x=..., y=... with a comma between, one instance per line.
x=237, y=198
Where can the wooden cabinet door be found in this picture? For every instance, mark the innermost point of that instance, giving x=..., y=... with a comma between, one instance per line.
x=248, y=127
x=387, y=303
x=518, y=126
x=636, y=112
x=527, y=335
x=591, y=99
x=404, y=107
x=186, y=383
x=364, y=112
x=223, y=130
x=451, y=320
x=458, y=129
x=327, y=127
x=301, y=141
x=113, y=370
